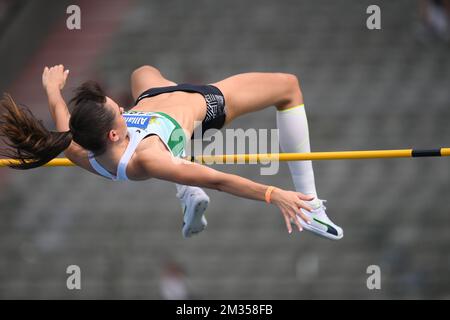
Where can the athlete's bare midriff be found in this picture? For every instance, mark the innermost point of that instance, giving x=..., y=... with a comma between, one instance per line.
x=184, y=107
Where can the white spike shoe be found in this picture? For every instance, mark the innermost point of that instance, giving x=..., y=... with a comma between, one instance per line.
x=194, y=202
x=320, y=223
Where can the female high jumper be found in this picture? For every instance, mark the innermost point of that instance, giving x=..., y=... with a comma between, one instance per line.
x=148, y=141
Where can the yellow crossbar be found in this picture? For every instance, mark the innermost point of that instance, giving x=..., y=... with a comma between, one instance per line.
x=265, y=157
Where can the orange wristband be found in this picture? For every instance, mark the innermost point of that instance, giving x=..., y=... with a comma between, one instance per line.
x=268, y=193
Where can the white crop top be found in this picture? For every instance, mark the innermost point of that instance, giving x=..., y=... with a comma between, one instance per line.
x=141, y=124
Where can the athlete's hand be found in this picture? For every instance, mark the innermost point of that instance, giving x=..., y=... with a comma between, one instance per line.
x=290, y=203
x=54, y=77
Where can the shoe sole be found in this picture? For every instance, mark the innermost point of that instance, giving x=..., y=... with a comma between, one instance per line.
x=195, y=220
x=320, y=232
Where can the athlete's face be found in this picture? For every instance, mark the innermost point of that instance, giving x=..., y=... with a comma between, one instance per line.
x=119, y=130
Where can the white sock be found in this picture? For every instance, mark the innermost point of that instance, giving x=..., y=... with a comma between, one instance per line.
x=294, y=137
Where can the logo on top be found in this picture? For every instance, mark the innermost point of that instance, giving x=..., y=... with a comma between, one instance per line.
x=137, y=121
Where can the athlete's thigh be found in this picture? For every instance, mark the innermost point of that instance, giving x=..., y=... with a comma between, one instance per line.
x=147, y=77
x=249, y=92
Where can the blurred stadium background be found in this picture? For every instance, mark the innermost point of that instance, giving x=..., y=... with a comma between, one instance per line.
x=363, y=90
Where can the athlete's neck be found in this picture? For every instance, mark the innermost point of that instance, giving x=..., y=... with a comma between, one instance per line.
x=114, y=153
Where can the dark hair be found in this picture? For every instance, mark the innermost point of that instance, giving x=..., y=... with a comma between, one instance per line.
x=90, y=120
x=33, y=145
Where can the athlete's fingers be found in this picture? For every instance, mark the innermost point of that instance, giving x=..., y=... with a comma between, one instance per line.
x=301, y=203
x=305, y=206
x=297, y=222
x=305, y=197
x=288, y=223
x=304, y=217
x=301, y=213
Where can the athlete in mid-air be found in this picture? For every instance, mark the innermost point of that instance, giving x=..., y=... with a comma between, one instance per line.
x=148, y=140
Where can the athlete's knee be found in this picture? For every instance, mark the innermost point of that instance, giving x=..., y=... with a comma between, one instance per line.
x=293, y=83
x=144, y=70
x=294, y=95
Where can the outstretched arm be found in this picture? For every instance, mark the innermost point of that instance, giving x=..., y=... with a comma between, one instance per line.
x=163, y=166
x=53, y=80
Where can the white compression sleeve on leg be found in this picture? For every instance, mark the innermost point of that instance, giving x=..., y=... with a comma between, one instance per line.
x=294, y=137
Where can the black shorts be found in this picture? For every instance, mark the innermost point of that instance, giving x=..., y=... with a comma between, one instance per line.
x=215, y=102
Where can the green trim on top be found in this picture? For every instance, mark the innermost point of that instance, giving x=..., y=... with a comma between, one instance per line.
x=177, y=139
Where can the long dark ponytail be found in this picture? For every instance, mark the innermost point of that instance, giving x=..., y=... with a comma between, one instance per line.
x=29, y=141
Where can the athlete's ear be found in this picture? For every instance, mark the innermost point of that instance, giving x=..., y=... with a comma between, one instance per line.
x=113, y=136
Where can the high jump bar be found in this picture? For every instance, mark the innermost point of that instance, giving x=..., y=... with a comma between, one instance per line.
x=267, y=157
